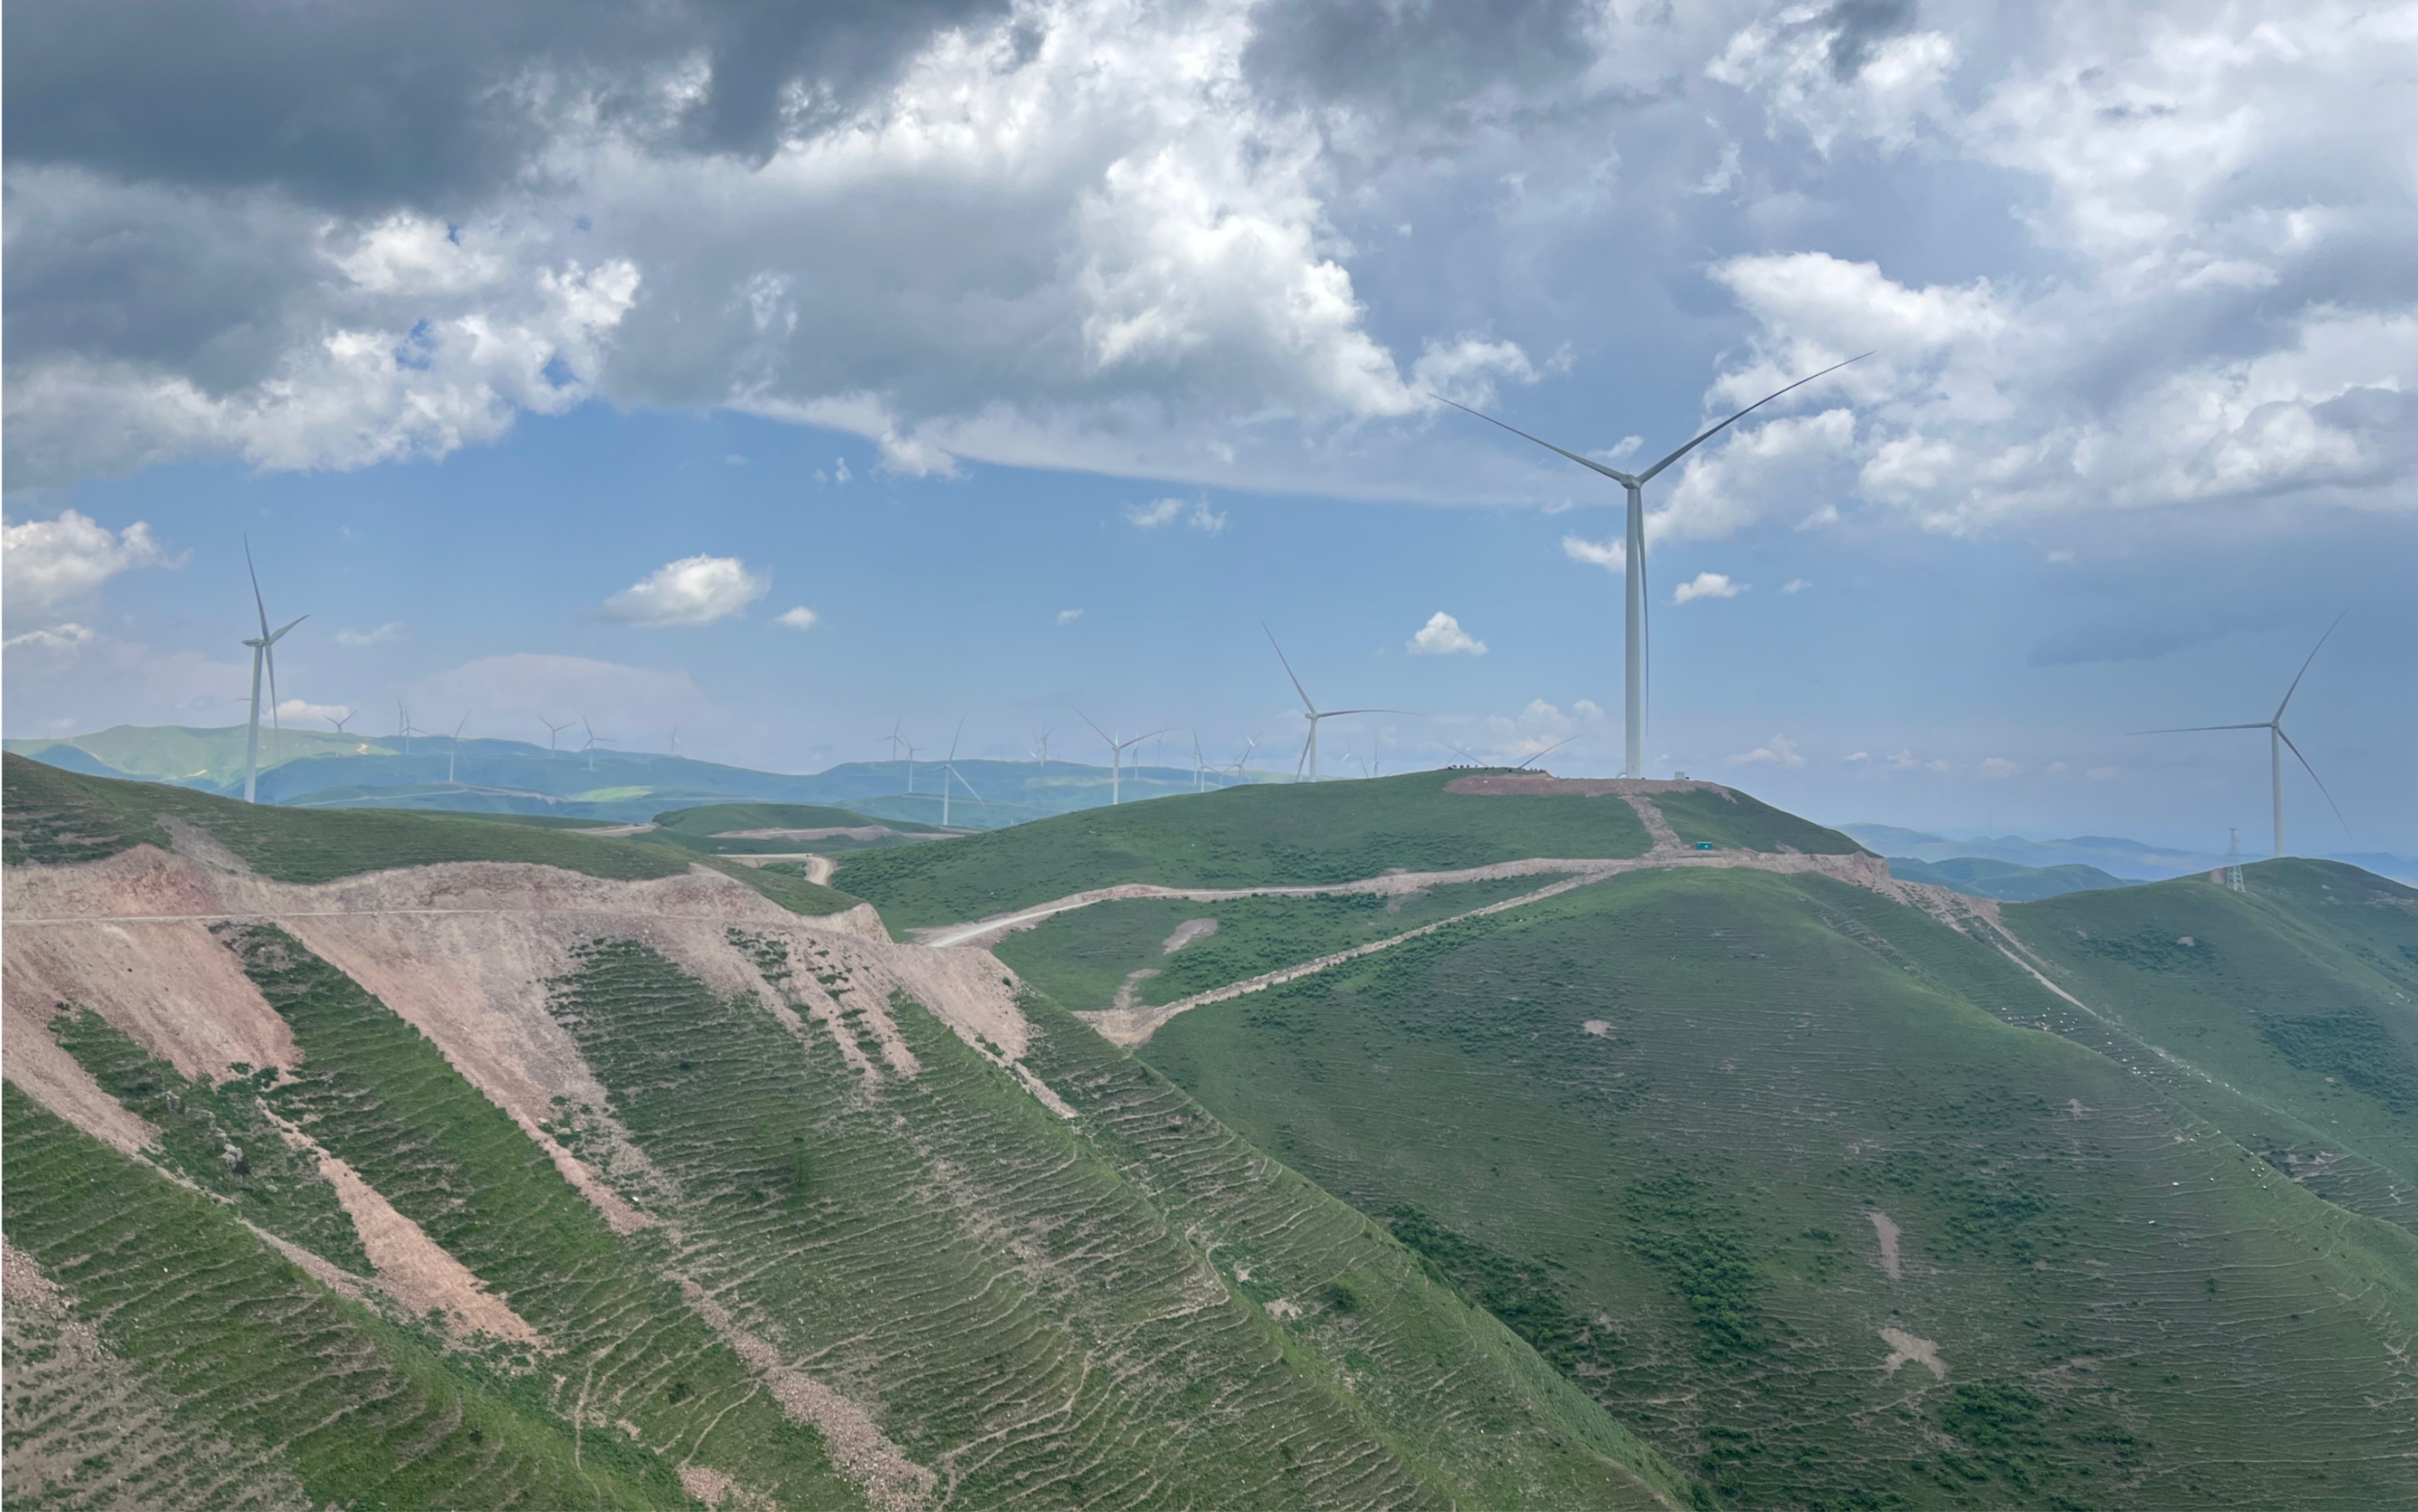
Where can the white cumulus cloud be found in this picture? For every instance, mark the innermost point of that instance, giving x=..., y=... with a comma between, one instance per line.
x=693, y=590
x=1779, y=751
x=1442, y=635
x=799, y=617
x=1067, y=617
x=384, y=634
x=45, y=563
x=1612, y=556
x=1706, y=586
x=296, y=709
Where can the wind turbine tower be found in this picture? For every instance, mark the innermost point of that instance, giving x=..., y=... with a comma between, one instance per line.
x=454, y=749
x=264, y=652
x=1633, y=552
x=1314, y=714
x=2277, y=742
x=1117, y=750
x=2233, y=862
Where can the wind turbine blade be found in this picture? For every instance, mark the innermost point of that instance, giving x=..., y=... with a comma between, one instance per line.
x=1546, y=752
x=1301, y=762
x=2305, y=667
x=269, y=651
x=255, y=585
x=1337, y=713
x=953, y=738
x=273, y=639
x=1095, y=730
x=1289, y=672
x=1621, y=478
x=2315, y=778
x=2197, y=729
x=1648, y=476
x=967, y=785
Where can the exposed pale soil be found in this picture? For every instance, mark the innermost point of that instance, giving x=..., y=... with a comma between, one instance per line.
x=858, y=1446
x=462, y=951
x=414, y=1269
x=1887, y=1231
x=1904, y=1349
x=1186, y=933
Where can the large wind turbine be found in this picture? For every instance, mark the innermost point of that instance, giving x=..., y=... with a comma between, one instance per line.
x=2278, y=741
x=454, y=748
x=552, y=731
x=1314, y=714
x=594, y=741
x=263, y=653
x=1117, y=750
x=1634, y=554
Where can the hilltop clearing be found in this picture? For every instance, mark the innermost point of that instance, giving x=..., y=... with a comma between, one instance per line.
x=782, y=1210
x=1307, y=834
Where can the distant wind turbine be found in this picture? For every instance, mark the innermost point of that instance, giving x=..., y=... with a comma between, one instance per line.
x=552, y=731
x=404, y=726
x=594, y=741
x=1313, y=713
x=2278, y=741
x=1041, y=753
x=340, y=723
x=1634, y=554
x=949, y=769
x=1117, y=750
x=1244, y=759
x=264, y=652
x=456, y=748
x=1200, y=766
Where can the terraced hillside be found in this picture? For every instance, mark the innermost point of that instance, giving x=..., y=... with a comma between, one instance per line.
x=358, y=1162
x=1843, y=1192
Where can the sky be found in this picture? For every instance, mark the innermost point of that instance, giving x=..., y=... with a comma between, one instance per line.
x=784, y=375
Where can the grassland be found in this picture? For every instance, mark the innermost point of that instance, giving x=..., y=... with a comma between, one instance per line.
x=1660, y=1124
x=2295, y=1003
x=1289, y=832
x=706, y=827
x=1731, y=821
x=1081, y=959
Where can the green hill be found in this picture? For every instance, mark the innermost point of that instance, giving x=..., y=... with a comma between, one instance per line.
x=1293, y=832
x=878, y=1251
x=2002, y=879
x=1511, y=1189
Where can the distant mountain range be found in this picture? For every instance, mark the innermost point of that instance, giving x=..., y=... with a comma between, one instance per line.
x=304, y=769
x=2119, y=859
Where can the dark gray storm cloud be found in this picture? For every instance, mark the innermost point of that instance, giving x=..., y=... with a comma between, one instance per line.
x=1415, y=57
x=372, y=104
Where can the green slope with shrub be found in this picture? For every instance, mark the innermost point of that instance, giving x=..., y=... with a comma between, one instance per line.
x=1676, y=1128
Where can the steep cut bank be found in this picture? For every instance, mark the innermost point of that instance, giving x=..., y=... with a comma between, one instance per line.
x=786, y=1210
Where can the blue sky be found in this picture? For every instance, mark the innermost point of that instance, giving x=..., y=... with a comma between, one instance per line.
x=1132, y=309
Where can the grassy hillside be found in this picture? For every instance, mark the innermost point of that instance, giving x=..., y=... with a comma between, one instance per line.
x=1081, y=959
x=1663, y=1125
x=709, y=829
x=2294, y=1004
x=213, y=755
x=52, y=815
x=1243, y=836
x=1980, y=876
x=1735, y=822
